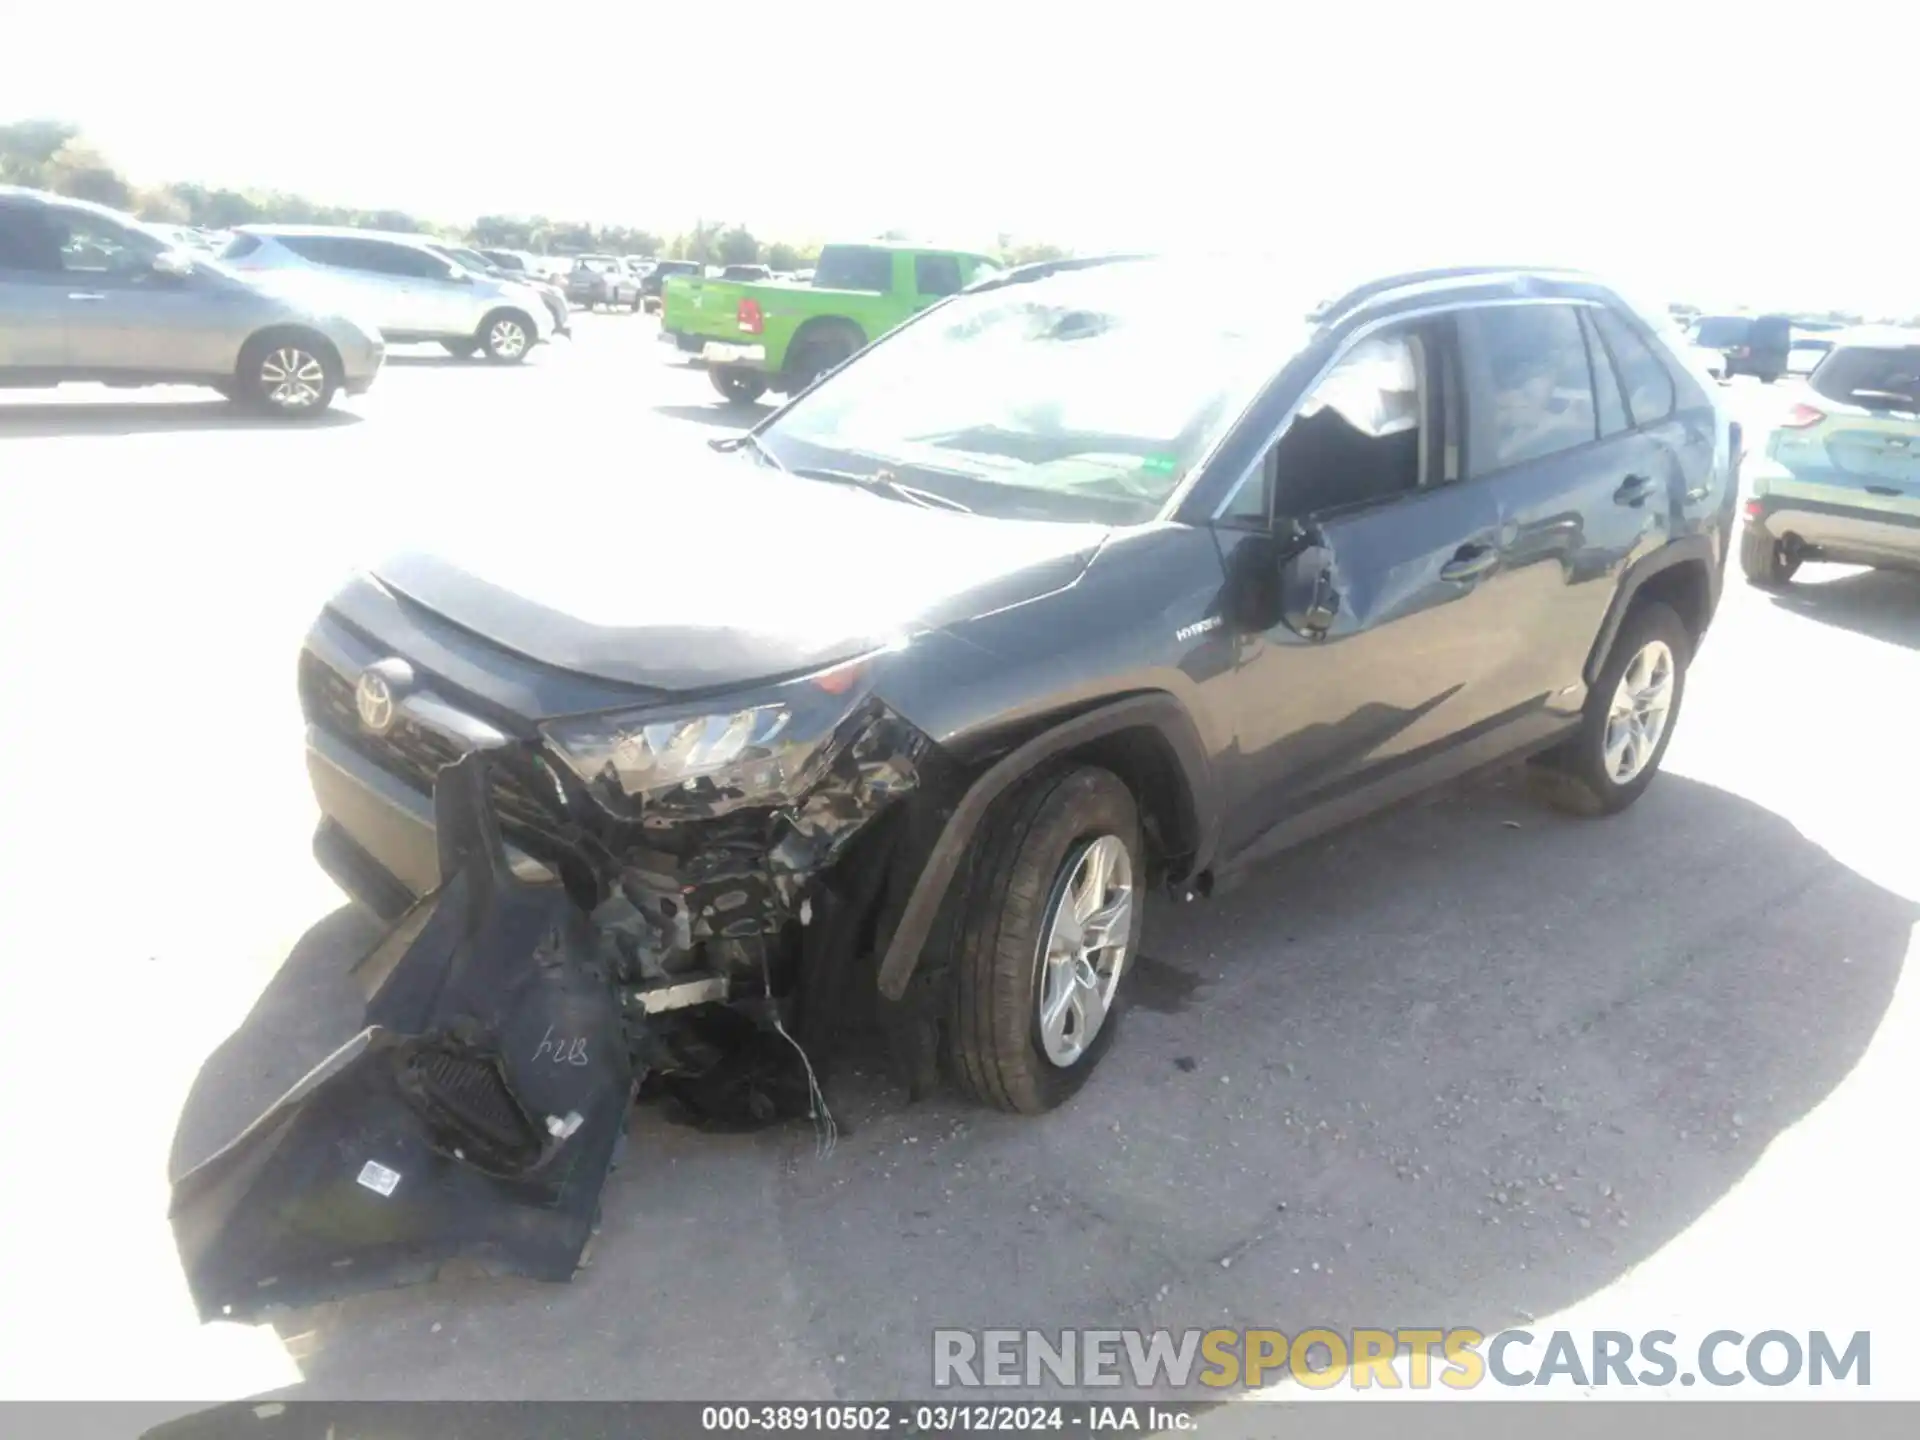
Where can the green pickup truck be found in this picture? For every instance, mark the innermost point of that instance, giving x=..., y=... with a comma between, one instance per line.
x=776, y=336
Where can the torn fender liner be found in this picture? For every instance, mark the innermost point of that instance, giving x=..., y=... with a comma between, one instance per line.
x=476, y=1115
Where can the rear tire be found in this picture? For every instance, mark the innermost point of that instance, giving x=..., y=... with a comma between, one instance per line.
x=1610, y=762
x=737, y=386
x=461, y=349
x=506, y=336
x=819, y=350
x=1764, y=560
x=287, y=374
x=1062, y=838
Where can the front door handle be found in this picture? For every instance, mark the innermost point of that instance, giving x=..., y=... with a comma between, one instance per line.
x=1883, y=490
x=1469, y=563
x=86, y=295
x=1634, y=490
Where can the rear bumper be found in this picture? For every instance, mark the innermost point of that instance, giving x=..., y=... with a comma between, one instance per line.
x=721, y=352
x=1840, y=532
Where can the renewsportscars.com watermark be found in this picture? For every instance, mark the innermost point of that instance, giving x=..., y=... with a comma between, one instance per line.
x=1456, y=1358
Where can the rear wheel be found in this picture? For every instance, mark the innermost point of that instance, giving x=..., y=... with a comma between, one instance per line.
x=818, y=350
x=286, y=374
x=1629, y=718
x=506, y=336
x=1049, y=923
x=460, y=349
x=1765, y=561
x=739, y=387
x=633, y=306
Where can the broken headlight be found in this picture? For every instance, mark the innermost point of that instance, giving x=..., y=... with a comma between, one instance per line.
x=753, y=749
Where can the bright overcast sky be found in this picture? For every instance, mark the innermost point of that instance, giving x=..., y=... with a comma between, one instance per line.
x=1721, y=152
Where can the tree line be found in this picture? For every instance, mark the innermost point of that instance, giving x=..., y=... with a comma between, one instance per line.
x=53, y=155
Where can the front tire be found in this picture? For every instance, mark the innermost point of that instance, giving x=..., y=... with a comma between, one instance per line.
x=506, y=336
x=1629, y=719
x=736, y=386
x=287, y=375
x=1049, y=923
x=1764, y=560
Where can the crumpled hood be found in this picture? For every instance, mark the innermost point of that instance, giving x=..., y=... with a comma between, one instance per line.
x=722, y=572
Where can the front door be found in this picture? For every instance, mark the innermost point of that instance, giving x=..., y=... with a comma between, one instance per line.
x=126, y=318
x=33, y=295
x=1384, y=622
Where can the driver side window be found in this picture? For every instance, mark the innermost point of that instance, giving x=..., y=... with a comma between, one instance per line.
x=95, y=247
x=1366, y=434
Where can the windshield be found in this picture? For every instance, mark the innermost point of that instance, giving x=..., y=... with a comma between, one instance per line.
x=1087, y=395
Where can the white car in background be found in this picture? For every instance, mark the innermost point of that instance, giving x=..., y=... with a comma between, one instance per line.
x=400, y=284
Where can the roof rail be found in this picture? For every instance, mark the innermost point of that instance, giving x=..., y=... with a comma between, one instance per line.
x=1360, y=294
x=1040, y=269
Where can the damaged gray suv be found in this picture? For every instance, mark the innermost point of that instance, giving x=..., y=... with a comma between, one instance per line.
x=886, y=720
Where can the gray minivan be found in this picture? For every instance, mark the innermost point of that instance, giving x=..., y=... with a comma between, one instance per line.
x=90, y=294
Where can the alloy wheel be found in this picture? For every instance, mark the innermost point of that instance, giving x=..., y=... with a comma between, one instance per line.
x=1637, y=717
x=1084, y=951
x=292, y=378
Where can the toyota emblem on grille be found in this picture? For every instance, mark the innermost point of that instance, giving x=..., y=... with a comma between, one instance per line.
x=373, y=698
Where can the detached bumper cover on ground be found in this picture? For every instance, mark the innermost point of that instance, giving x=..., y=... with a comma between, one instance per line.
x=475, y=1116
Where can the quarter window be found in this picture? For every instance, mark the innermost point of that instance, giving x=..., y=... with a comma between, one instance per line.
x=1529, y=392
x=1643, y=375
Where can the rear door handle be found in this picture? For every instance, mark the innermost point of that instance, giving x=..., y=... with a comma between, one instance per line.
x=1469, y=562
x=1633, y=490
x=86, y=295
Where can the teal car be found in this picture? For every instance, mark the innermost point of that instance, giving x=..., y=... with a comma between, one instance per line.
x=1840, y=479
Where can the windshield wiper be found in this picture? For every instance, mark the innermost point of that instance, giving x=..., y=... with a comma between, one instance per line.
x=882, y=480
x=727, y=444
x=887, y=483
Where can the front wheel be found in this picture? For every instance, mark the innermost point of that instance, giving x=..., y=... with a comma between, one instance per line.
x=1764, y=560
x=506, y=336
x=1048, y=925
x=738, y=387
x=285, y=375
x=633, y=306
x=1629, y=718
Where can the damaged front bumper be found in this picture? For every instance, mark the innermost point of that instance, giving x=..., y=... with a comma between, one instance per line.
x=514, y=1012
x=476, y=1115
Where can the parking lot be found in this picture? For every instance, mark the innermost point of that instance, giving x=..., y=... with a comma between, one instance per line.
x=1472, y=1063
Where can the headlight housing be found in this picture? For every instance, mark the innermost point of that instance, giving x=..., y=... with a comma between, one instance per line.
x=703, y=759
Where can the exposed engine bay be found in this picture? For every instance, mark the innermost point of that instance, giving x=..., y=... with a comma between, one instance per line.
x=710, y=949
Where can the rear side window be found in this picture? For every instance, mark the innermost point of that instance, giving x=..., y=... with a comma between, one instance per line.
x=1643, y=375
x=1529, y=393
x=25, y=243
x=854, y=267
x=239, y=247
x=1878, y=377
x=936, y=275
x=326, y=250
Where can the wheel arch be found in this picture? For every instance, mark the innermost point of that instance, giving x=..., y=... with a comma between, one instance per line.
x=1148, y=740
x=1680, y=575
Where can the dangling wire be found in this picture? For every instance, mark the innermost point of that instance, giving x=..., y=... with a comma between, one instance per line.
x=826, y=1133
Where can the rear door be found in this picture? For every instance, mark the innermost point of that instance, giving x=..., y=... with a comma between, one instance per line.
x=357, y=273
x=1579, y=491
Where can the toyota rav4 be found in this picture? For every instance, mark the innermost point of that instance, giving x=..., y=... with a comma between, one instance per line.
x=890, y=718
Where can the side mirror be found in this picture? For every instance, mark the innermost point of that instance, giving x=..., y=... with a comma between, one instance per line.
x=173, y=264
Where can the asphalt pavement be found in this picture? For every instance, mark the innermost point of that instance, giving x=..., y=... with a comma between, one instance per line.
x=1472, y=1063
